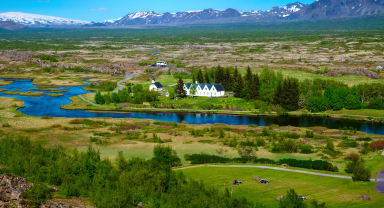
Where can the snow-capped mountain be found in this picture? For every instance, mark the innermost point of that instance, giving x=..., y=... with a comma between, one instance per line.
x=323, y=9
x=153, y=18
x=35, y=20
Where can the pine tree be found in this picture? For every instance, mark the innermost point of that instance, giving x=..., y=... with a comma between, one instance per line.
x=180, y=92
x=238, y=86
x=207, y=80
x=193, y=78
x=227, y=83
x=278, y=93
x=255, y=87
x=219, y=75
x=200, y=77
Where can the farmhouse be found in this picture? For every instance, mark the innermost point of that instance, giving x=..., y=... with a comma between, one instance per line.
x=155, y=86
x=161, y=64
x=204, y=90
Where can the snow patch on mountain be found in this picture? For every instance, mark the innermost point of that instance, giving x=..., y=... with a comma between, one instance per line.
x=38, y=20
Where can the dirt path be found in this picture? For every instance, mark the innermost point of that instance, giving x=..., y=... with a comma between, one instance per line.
x=280, y=169
x=88, y=101
x=120, y=85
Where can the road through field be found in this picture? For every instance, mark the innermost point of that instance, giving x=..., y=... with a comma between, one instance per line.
x=283, y=169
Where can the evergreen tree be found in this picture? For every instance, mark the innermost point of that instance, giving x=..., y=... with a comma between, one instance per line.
x=200, y=77
x=238, y=86
x=227, y=83
x=206, y=79
x=219, y=75
x=277, y=99
x=180, y=92
x=254, y=87
x=287, y=94
x=193, y=78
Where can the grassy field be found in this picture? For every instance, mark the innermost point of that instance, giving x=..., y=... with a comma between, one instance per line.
x=337, y=193
x=350, y=80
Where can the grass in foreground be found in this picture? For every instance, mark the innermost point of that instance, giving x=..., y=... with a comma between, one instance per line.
x=335, y=192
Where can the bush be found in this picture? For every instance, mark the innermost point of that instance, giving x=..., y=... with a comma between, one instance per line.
x=377, y=145
x=205, y=158
x=317, y=104
x=287, y=145
x=38, y=194
x=309, y=164
x=348, y=143
x=306, y=149
x=309, y=134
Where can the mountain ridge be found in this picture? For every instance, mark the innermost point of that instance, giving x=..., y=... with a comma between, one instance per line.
x=318, y=10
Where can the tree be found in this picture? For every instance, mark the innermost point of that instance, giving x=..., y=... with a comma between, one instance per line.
x=180, y=92
x=238, y=86
x=200, y=77
x=317, y=104
x=292, y=200
x=287, y=94
x=360, y=173
x=254, y=87
x=219, y=77
x=192, y=90
x=99, y=99
x=316, y=204
x=165, y=156
x=207, y=79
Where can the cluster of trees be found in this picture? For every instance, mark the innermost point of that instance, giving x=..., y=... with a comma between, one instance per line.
x=309, y=164
x=315, y=95
x=121, y=183
x=357, y=167
x=293, y=200
x=135, y=94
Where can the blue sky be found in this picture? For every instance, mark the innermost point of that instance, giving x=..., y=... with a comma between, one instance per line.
x=99, y=10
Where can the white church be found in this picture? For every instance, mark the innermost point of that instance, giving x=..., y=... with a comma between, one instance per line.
x=155, y=86
x=204, y=90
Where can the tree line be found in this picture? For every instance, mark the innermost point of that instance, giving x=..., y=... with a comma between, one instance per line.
x=314, y=95
x=134, y=94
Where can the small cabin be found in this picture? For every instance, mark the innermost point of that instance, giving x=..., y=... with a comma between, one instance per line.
x=155, y=86
x=161, y=64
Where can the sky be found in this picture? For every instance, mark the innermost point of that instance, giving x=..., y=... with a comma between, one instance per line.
x=100, y=10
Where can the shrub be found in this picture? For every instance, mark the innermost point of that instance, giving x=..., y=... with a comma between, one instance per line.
x=38, y=194
x=376, y=145
x=310, y=164
x=306, y=149
x=287, y=145
x=317, y=104
x=348, y=143
x=205, y=158
x=309, y=134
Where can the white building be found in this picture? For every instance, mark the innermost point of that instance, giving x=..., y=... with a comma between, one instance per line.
x=161, y=64
x=155, y=86
x=380, y=68
x=205, y=90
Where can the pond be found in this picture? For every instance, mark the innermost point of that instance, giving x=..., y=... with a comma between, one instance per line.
x=50, y=106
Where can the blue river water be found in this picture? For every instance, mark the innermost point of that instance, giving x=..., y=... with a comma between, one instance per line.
x=50, y=106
